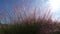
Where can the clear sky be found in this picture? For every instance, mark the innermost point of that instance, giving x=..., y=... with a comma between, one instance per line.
x=6, y=6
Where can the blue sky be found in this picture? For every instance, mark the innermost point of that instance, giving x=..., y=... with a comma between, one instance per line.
x=7, y=6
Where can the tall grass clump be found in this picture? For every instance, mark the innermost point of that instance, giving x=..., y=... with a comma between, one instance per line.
x=26, y=21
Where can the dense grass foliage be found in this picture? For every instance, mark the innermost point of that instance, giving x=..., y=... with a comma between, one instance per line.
x=31, y=28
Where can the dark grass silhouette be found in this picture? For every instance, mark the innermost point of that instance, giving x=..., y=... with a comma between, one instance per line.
x=32, y=28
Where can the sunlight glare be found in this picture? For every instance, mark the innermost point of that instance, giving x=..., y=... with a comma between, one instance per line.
x=54, y=4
